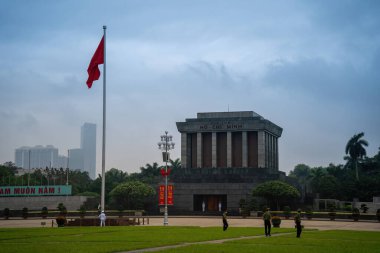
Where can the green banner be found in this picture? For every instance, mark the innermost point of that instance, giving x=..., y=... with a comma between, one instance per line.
x=43, y=190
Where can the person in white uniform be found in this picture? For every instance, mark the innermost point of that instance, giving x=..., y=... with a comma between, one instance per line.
x=102, y=218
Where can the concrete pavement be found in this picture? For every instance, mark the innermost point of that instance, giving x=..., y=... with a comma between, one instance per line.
x=255, y=222
x=213, y=221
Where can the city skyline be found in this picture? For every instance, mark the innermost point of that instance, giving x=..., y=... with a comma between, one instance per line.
x=41, y=157
x=309, y=67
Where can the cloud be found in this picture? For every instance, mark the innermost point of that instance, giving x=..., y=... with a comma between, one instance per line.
x=322, y=80
x=310, y=67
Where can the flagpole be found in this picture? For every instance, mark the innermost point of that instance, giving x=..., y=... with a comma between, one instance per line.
x=104, y=123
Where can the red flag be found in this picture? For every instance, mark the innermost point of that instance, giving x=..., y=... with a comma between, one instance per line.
x=97, y=59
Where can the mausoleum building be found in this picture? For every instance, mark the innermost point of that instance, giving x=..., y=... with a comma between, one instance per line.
x=229, y=140
x=224, y=155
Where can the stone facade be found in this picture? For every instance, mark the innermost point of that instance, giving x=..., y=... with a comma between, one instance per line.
x=224, y=156
x=248, y=139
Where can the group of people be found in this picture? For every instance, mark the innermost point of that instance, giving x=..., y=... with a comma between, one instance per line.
x=267, y=217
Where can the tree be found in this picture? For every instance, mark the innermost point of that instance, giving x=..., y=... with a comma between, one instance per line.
x=6, y=171
x=301, y=172
x=335, y=170
x=131, y=195
x=315, y=177
x=149, y=174
x=150, y=170
x=355, y=148
x=113, y=177
x=276, y=191
x=175, y=166
x=328, y=187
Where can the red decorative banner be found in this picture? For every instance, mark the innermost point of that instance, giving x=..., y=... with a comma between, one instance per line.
x=161, y=196
x=170, y=194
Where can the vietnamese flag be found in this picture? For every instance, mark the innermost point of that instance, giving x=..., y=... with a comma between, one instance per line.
x=97, y=59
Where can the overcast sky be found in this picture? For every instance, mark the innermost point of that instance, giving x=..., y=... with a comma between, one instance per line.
x=311, y=67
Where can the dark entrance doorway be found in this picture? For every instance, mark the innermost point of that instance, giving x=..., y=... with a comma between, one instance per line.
x=209, y=202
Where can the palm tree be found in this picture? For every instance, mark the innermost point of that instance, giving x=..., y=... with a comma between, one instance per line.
x=150, y=174
x=150, y=170
x=356, y=150
x=176, y=164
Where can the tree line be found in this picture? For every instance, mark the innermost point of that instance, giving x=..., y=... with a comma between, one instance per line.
x=123, y=190
x=358, y=178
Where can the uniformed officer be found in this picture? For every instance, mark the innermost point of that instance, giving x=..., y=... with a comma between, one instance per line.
x=297, y=220
x=267, y=222
x=225, y=223
x=102, y=218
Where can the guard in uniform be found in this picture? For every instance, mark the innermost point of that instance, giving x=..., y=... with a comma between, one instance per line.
x=297, y=220
x=267, y=222
x=225, y=223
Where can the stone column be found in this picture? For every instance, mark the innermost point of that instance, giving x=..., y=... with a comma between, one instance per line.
x=276, y=158
x=244, y=149
x=213, y=147
x=229, y=149
x=261, y=149
x=184, y=150
x=270, y=151
x=274, y=152
x=199, y=150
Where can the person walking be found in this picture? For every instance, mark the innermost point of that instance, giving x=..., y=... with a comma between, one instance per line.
x=297, y=220
x=225, y=223
x=267, y=222
x=102, y=217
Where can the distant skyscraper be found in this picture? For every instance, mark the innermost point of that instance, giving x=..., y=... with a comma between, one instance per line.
x=37, y=157
x=76, y=159
x=88, y=146
x=83, y=158
x=61, y=162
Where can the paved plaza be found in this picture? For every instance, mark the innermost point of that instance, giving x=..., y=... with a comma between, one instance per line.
x=213, y=221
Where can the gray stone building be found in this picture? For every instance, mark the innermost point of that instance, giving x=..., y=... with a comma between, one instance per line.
x=224, y=156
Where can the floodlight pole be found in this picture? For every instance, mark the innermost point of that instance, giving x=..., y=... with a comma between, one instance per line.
x=166, y=222
x=164, y=145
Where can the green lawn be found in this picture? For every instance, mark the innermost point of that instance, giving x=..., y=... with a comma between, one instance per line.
x=111, y=239
x=310, y=242
x=114, y=239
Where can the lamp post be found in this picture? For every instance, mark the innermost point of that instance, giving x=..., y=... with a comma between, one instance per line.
x=67, y=167
x=165, y=145
x=29, y=168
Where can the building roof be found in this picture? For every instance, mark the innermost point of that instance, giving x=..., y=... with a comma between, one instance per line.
x=228, y=121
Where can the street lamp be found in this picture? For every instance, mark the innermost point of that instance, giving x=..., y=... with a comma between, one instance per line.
x=165, y=145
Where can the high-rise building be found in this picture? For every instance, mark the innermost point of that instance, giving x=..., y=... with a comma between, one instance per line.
x=88, y=146
x=83, y=158
x=38, y=157
x=61, y=162
x=76, y=159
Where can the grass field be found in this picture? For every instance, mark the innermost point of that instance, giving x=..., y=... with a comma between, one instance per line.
x=116, y=239
x=310, y=242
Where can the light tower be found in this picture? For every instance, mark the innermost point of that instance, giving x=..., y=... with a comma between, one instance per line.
x=165, y=145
